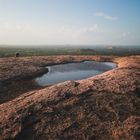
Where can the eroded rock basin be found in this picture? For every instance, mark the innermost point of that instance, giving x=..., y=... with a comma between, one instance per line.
x=73, y=71
x=102, y=107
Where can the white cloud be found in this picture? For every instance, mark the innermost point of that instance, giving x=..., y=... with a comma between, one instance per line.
x=16, y=32
x=93, y=28
x=75, y=31
x=124, y=34
x=111, y=17
x=23, y=33
x=99, y=14
x=105, y=16
x=11, y=26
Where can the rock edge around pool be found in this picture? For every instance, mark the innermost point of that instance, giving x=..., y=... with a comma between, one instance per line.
x=103, y=107
x=22, y=71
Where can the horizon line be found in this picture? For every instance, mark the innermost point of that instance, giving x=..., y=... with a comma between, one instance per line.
x=65, y=45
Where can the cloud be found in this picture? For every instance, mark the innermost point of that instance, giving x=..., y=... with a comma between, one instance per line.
x=11, y=26
x=111, y=17
x=93, y=28
x=99, y=14
x=105, y=16
x=124, y=34
x=78, y=30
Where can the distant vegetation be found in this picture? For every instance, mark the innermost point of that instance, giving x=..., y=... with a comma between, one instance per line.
x=8, y=51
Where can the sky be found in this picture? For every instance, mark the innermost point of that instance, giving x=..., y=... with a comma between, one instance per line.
x=70, y=22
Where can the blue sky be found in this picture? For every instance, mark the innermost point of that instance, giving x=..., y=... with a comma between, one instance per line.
x=74, y=22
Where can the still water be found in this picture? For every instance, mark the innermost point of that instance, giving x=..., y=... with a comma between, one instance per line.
x=73, y=71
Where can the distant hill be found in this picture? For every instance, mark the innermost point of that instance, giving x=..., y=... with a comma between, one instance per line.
x=7, y=51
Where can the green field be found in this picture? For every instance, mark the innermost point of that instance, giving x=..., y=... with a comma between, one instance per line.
x=9, y=51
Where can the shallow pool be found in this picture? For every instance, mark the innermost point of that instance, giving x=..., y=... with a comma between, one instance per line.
x=73, y=71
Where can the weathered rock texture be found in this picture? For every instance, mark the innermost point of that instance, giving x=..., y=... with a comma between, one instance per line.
x=104, y=107
x=16, y=74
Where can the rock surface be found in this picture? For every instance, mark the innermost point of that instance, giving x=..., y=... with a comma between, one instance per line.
x=103, y=107
x=16, y=74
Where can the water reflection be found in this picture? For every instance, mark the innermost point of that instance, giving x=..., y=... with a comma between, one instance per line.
x=73, y=71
